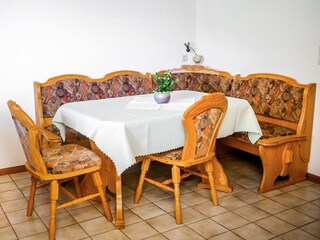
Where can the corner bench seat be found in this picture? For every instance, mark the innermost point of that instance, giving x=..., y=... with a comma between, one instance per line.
x=268, y=131
x=284, y=109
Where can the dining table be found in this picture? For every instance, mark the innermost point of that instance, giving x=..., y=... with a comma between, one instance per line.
x=123, y=130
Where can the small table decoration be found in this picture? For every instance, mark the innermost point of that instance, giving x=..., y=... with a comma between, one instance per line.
x=164, y=83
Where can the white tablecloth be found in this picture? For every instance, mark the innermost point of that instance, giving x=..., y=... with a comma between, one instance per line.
x=126, y=127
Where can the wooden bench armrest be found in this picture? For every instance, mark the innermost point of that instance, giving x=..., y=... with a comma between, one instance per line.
x=50, y=137
x=269, y=142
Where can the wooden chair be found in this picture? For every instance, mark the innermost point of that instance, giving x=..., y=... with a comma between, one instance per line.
x=55, y=164
x=201, y=122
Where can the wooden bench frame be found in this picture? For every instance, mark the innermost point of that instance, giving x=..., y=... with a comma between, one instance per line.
x=285, y=156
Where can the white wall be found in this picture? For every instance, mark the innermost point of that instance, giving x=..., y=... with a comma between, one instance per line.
x=40, y=39
x=251, y=36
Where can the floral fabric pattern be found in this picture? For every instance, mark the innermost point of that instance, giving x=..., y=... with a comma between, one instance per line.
x=268, y=131
x=68, y=158
x=23, y=136
x=267, y=96
x=205, y=124
x=172, y=155
x=75, y=90
x=270, y=97
x=201, y=82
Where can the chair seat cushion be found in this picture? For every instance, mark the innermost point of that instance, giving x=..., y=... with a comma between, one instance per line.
x=268, y=131
x=172, y=154
x=68, y=158
x=71, y=134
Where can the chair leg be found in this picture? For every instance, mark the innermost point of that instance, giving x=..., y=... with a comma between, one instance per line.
x=209, y=169
x=144, y=168
x=54, y=194
x=77, y=187
x=33, y=188
x=98, y=183
x=176, y=181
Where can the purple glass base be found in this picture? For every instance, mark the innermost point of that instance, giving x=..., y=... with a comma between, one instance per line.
x=161, y=98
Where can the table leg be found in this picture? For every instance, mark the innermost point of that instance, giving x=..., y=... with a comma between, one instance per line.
x=119, y=220
x=221, y=179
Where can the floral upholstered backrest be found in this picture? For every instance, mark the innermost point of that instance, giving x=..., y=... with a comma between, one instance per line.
x=205, y=124
x=23, y=124
x=202, y=121
x=199, y=78
x=270, y=97
x=76, y=89
x=203, y=82
x=23, y=136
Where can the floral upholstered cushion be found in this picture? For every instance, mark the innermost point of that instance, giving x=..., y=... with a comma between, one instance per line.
x=201, y=82
x=68, y=158
x=268, y=131
x=205, y=124
x=23, y=136
x=270, y=97
x=75, y=90
x=71, y=134
x=172, y=155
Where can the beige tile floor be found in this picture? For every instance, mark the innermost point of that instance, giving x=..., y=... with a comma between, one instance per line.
x=288, y=213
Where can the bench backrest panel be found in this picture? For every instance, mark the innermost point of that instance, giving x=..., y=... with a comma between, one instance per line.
x=270, y=97
x=203, y=82
x=73, y=88
x=199, y=78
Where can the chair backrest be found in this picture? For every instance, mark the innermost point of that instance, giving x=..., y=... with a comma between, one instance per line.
x=202, y=122
x=28, y=135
